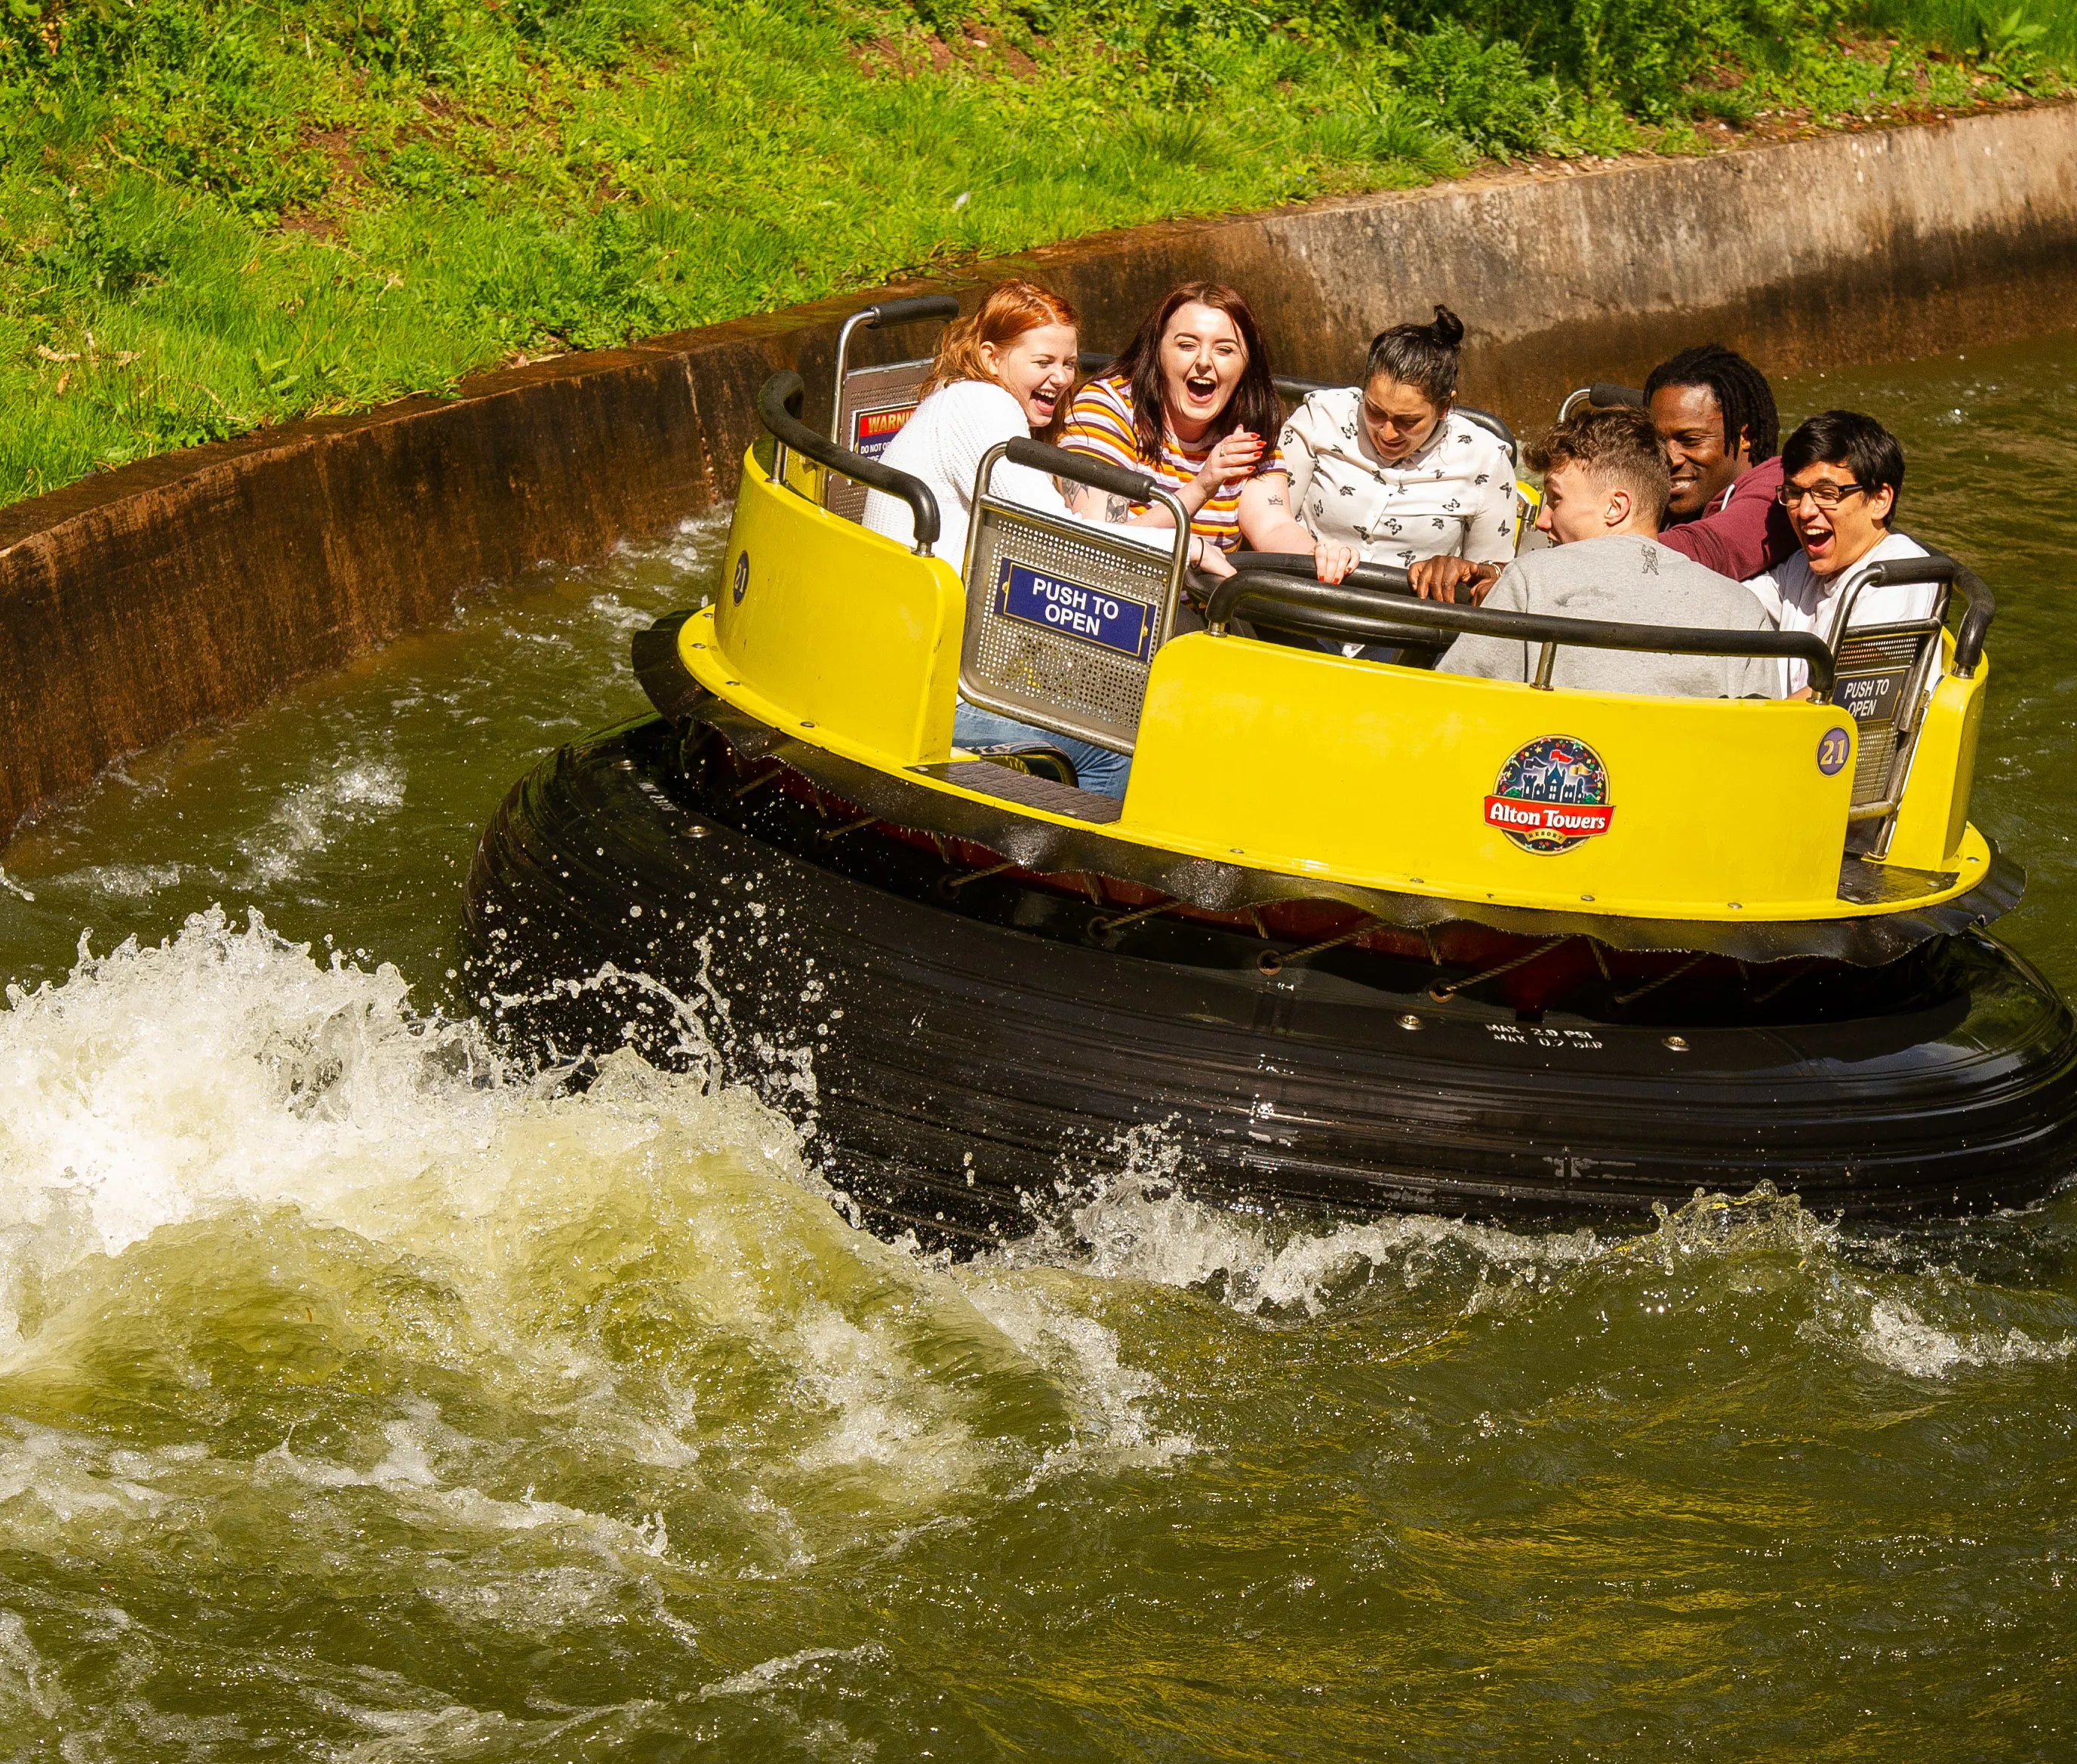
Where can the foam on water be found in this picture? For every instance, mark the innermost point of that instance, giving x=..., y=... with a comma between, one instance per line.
x=294, y=1274
x=225, y=1077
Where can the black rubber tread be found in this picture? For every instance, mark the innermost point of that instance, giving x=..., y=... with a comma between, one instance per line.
x=969, y=1061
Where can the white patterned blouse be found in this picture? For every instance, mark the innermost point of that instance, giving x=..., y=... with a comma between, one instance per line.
x=1455, y=498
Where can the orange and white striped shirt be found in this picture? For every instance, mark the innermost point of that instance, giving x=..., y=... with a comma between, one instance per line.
x=1100, y=424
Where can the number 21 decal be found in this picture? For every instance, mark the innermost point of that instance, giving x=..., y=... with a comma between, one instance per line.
x=1833, y=749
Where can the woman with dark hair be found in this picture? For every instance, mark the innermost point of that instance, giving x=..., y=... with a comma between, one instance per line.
x=1191, y=403
x=1391, y=470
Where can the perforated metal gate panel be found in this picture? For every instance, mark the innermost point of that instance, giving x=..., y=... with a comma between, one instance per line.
x=872, y=408
x=1881, y=680
x=1062, y=623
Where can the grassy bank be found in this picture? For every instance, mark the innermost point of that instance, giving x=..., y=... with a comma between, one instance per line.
x=216, y=213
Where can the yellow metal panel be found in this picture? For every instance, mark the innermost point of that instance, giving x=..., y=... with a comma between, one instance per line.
x=1347, y=768
x=847, y=630
x=1310, y=765
x=1934, y=814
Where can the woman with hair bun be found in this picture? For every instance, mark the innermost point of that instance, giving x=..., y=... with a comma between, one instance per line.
x=1001, y=374
x=1391, y=469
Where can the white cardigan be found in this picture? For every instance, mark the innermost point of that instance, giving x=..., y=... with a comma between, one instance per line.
x=942, y=443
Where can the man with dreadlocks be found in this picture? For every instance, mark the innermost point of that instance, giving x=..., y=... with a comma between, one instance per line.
x=1715, y=414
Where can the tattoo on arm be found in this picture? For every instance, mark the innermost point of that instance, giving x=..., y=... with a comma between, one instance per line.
x=1116, y=508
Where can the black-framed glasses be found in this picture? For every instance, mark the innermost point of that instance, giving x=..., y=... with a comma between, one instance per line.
x=1825, y=496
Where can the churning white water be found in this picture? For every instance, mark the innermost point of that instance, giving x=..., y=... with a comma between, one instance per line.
x=362, y=1398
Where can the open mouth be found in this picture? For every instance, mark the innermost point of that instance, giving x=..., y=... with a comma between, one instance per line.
x=1201, y=388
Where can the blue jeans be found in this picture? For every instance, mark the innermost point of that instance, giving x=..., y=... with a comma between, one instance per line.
x=1097, y=768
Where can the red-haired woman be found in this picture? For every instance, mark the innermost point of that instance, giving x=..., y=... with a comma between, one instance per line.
x=1191, y=403
x=1000, y=374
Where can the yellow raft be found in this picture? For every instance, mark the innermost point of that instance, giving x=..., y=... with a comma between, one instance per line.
x=1359, y=933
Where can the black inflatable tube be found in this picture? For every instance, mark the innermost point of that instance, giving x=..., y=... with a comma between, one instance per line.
x=970, y=1060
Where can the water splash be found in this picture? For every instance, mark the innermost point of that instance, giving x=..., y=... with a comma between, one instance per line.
x=225, y=1085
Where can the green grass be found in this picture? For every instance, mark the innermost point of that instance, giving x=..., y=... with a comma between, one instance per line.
x=214, y=214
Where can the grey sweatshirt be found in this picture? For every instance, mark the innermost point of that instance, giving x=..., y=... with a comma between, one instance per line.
x=1622, y=579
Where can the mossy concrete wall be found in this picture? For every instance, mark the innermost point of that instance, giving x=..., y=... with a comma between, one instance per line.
x=191, y=587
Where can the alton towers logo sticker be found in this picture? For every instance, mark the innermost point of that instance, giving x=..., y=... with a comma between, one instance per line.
x=1552, y=793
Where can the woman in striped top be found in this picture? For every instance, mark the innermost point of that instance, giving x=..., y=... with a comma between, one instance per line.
x=1191, y=403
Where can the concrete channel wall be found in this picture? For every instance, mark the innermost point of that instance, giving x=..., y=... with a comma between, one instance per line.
x=191, y=587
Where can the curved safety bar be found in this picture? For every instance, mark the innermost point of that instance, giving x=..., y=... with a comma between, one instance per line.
x=1094, y=361
x=1936, y=566
x=1975, y=625
x=1368, y=614
x=1493, y=425
x=910, y=310
x=1099, y=475
x=1380, y=578
x=779, y=402
x=1298, y=391
x=1602, y=394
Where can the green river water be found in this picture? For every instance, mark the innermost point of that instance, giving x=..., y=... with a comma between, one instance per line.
x=359, y=1401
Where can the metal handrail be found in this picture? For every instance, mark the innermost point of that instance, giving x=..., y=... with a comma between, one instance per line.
x=910, y=311
x=779, y=402
x=1936, y=566
x=1602, y=394
x=1135, y=487
x=1369, y=607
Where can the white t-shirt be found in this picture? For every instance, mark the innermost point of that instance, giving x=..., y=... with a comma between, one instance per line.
x=1453, y=498
x=1802, y=600
x=942, y=443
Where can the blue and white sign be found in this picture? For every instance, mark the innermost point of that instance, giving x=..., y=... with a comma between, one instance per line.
x=1059, y=604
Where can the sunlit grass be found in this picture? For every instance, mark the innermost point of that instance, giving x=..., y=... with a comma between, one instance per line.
x=214, y=215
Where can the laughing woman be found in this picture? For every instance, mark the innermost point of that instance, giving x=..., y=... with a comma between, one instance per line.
x=1001, y=375
x=1391, y=469
x=1191, y=403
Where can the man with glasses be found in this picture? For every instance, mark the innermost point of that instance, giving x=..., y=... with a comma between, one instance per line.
x=1841, y=474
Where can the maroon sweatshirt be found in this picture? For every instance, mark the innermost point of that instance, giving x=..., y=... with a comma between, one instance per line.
x=1744, y=532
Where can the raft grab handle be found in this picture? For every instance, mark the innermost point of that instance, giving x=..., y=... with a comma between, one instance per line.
x=1375, y=611
x=912, y=310
x=779, y=402
x=1603, y=395
x=1098, y=474
x=1936, y=566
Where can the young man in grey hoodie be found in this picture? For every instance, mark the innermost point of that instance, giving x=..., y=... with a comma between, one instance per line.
x=1605, y=488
